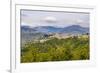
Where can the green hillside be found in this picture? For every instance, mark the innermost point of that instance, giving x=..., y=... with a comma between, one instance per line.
x=72, y=48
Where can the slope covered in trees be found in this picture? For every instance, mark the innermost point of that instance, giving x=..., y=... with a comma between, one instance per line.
x=56, y=50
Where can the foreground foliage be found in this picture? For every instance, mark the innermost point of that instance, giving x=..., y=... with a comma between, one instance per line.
x=56, y=50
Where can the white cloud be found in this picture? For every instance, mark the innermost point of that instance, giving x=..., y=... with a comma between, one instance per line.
x=80, y=21
x=50, y=19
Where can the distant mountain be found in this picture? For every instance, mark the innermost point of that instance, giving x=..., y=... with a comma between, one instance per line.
x=47, y=29
x=50, y=29
x=75, y=29
x=27, y=29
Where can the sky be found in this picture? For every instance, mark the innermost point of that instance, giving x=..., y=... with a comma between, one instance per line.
x=34, y=18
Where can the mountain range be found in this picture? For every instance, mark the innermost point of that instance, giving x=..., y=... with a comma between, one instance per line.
x=50, y=29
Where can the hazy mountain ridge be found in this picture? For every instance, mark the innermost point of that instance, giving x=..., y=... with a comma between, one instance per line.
x=51, y=29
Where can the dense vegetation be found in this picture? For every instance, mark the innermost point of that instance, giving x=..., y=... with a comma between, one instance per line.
x=56, y=50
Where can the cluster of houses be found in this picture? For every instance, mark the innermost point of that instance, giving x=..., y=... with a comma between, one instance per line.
x=63, y=36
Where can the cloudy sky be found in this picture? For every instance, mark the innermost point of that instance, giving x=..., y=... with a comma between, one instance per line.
x=57, y=19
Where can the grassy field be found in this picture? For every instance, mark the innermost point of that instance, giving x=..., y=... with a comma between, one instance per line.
x=56, y=50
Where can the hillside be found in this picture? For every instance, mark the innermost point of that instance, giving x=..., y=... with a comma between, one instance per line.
x=72, y=48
